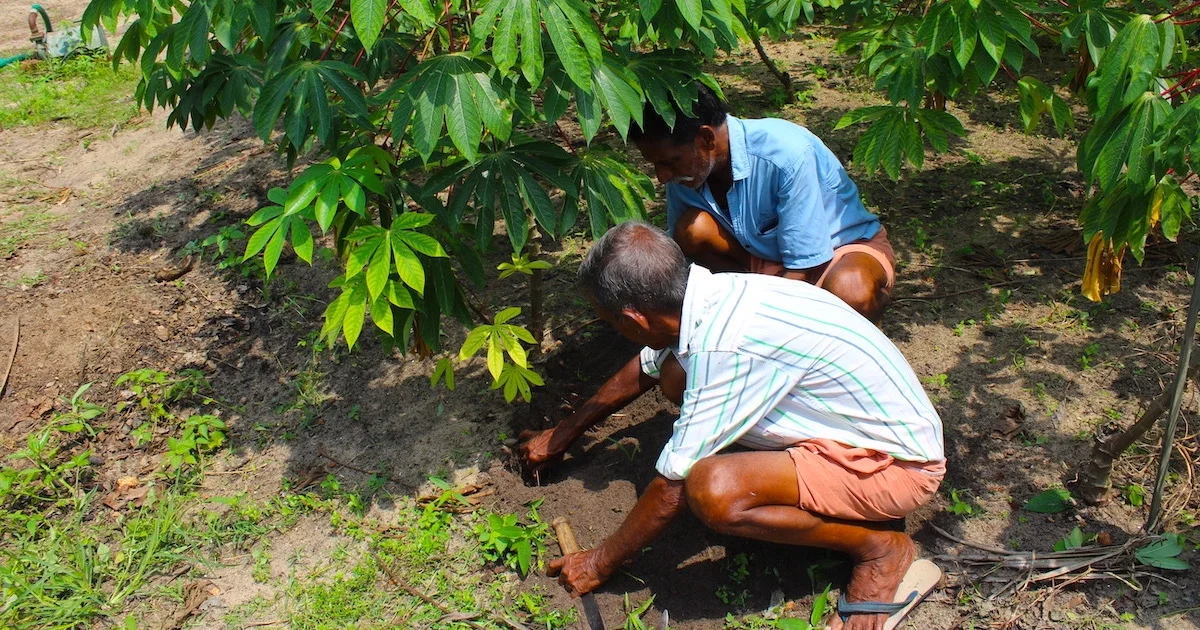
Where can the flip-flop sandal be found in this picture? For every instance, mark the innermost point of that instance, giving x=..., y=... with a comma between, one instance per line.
x=920, y=579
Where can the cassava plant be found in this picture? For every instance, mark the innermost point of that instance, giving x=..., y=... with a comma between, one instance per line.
x=1132, y=73
x=418, y=125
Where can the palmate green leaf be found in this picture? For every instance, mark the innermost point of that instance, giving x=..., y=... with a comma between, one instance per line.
x=692, y=11
x=510, y=22
x=881, y=146
x=1124, y=142
x=495, y=355
x=666, y=77
x=575, y=38
x=613, y=190
x=619, y=92
x=368, y=17
x=454, y=92
x=507, y=179
x=1128, y=67
x=937, y=127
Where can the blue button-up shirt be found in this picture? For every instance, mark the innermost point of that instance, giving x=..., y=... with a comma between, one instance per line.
x=791, y=200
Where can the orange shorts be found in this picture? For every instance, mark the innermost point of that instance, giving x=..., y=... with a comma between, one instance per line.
x=859, y=484
x=878, y=247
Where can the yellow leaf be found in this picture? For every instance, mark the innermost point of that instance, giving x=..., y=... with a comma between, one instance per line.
x=1102, y=275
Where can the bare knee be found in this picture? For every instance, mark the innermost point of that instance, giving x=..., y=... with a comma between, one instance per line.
x=695, y=232
x=861, y=283
x=710, y=491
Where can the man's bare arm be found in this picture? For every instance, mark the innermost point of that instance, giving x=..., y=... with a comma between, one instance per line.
x=582, y=572
x=541, y=448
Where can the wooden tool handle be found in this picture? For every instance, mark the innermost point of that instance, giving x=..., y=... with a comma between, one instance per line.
x=566, y=536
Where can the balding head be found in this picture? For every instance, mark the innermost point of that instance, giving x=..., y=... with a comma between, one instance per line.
x=635, y=265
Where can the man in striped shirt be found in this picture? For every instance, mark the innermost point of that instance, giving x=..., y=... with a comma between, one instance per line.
x=846, y=440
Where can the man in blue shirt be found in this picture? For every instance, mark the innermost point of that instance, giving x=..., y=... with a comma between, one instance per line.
x=767, y=196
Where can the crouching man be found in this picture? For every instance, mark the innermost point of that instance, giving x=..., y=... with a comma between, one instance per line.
x=845, y=439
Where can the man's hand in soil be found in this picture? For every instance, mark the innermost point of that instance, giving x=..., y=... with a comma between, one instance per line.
x=581, y=572
x=538, y=449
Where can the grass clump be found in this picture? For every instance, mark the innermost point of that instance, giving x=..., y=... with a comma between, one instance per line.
x=83, y=90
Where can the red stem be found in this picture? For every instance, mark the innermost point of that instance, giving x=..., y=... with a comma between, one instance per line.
x=1186, y=84
x=1010, y=74
x=336, y=34
x=1038, y=23
x=1186, y=22
x=567, y=141
x=1179, y=12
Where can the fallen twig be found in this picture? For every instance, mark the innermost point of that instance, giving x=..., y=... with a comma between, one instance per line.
x=321, y=453
x=12, y=355
x=429, y=600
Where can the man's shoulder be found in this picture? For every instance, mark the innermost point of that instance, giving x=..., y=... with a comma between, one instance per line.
x=777, y=143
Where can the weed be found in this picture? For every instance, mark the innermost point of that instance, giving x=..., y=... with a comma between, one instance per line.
x=29, y=281
x=1134, y=494
x=633, y=614
x=153, y=391
x=16, y=233
x=503, y=540
x=84, y=90
x=201, y=434
x=1073, y=540
x=959, y=503
x=630, y=450
x=940, y=380
x=1089, y=355
x=736, y=571
x=261, y=554
x=961, y=327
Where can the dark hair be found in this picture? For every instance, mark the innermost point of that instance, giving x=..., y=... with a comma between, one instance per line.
x=707, y=110
x=635, y=265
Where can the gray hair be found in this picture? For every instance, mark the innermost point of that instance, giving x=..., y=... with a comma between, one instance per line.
x=635, y=265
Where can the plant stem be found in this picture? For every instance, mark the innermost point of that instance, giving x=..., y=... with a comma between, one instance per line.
x=1181, y=379
x=783, y=77
x=336, y=34
x=1179, y=12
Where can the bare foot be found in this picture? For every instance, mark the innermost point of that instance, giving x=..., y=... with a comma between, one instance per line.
x=876, y=577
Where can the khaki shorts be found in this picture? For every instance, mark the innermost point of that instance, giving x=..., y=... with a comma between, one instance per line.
x=878, y=247
x=859, y=484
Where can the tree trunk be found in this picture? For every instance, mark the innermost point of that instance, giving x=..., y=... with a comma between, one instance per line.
x=1097, y=472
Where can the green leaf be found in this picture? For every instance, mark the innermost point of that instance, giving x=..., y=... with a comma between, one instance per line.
x=408, y=266
x=506, y=314
x=378, y=271
x=368, y=17
x=1163, y=554
x=274, y=248
x=381, y=314
x=302, y=240
x=692, y=12
x=422, y=11
x=495, y=356
x=1050, y=501
x=474, y=341
x=356, y=314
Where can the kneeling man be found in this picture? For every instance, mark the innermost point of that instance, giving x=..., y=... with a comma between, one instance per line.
x=845, y=439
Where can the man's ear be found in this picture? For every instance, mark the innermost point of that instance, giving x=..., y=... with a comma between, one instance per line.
x=706, y=138
x=637, y=317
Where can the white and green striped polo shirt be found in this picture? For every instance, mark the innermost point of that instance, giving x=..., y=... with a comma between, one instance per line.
x=772, y=361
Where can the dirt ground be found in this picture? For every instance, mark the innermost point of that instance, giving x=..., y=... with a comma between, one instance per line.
x=1023, y=370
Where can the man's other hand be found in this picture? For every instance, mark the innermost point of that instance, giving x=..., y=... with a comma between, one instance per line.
x=579, y=573
x=537, y=451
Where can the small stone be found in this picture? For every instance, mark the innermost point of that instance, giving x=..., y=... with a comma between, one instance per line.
x=162, y=333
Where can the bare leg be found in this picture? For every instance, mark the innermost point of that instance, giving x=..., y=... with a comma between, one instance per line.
x=861, y=282
x=704, y=240
x=755, y=495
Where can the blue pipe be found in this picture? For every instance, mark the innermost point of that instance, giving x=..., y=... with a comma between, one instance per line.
x=4, y=61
